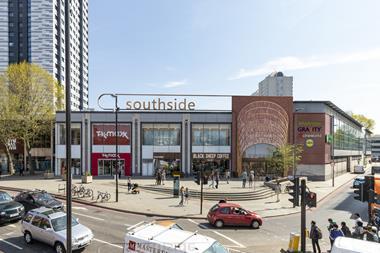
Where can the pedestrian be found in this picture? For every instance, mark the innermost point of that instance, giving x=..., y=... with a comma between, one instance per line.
x=335, y=232
x=119, y=171
x=244, y=177
x=250, y=179
x=330, y=227
x=315, y=236
x=371, y=234
x=182, y=195
x=212, y=179
x=358, y=231
x=187, y=195
x=129, y=183
x=228, y=176
x=357, y=219
x=345, y=229
x=163, y=176
x=277, y=189
x=217, y=179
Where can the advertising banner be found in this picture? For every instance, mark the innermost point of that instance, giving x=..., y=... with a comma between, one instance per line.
x=105, y=134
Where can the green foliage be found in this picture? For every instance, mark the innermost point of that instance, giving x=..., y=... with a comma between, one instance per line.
x=366, y=122
x=284, y=157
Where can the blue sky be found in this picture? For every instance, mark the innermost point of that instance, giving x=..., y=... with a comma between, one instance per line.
x=331, y=48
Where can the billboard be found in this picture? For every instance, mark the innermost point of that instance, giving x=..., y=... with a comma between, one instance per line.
x=105, y=134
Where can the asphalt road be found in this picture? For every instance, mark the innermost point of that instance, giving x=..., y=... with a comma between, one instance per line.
x=109, y=228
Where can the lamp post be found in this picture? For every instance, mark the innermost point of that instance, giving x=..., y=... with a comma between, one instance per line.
x=117, y=147
x=68, y=126
x=332, y=150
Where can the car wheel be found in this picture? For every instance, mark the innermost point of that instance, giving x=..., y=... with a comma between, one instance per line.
x=59, y=248
x=219, y=223
x=255, y=224
x=28, y=237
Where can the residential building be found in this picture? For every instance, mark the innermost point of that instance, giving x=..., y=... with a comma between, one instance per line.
x=34, y=31
x=276, y=84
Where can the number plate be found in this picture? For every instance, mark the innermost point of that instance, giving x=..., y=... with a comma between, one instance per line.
x=13, y=215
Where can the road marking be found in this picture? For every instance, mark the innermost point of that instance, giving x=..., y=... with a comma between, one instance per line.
x=111, y=244
x=79, y=208
x=9, y=233
x=11, y=244
x=88, y=216
x=12, y=225
x=220, y=234
x=136, y=225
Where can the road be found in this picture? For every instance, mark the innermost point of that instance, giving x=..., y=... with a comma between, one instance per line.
x=109, y=227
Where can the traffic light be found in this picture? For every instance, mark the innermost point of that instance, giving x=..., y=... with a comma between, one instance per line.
x=368, y=188
x=360, y=193
x=197, y=178
x=294, y=191
x=311, y=199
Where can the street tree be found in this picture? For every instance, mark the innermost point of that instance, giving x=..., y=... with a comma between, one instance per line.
x=366, y=122
x=33, y=96
x=285, y=157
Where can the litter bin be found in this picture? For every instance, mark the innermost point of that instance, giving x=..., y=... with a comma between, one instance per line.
x=294, y=242
x=176, y=186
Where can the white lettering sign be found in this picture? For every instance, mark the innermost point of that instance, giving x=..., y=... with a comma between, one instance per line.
x=161, y=105
x=106, y=134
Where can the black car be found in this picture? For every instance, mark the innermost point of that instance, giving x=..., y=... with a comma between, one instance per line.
x=9, y=209
x=36, y=199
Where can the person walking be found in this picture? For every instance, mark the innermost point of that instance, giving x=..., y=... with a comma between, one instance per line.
x=345, y=229
x=315, y=236
x=335, y=232
x=212, y=179
x=277, y=190
x=182, y=195
x=228, y=176
x=163, y=176
x=250, y=179
x=129, y=184
x=217, y=179
x=187, y=195
x=330, y=227
x=244, y=177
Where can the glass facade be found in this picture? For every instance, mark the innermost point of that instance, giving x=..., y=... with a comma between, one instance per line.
x=211, y=134
x=161, y=134
x=75, y=134
x=346, y=136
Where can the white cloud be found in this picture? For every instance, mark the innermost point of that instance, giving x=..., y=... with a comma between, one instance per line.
x=171, y=84
x=296, y=63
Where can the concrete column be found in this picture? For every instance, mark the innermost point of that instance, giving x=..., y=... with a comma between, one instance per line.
x=135, y=145
x=186, y=144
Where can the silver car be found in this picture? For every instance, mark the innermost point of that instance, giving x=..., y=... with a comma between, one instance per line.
x=49, y=226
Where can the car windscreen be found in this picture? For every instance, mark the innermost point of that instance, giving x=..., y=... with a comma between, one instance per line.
x=42, y=197
x=4, y=197
x=59, y=223
x=216, y=247
x=214, y=208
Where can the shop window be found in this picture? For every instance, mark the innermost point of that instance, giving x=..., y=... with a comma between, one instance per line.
x=161, y=134
x=211, y=134
x=75, y=134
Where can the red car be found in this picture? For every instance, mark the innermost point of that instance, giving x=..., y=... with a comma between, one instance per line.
x=233, y=215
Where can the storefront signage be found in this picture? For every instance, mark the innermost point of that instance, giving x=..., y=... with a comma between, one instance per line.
x=310, y=129
x=211, y=156
x=160, y=104
x=105, y=134
x=309, y=143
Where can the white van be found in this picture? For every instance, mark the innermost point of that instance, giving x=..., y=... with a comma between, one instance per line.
x=350, y=245
x=156, y=238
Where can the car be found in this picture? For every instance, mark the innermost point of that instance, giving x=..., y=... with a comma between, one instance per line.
x=358, y=181
x=10, y=210
x=37, y=198
x=49, y=226
x=359, y=169
x=229, y=214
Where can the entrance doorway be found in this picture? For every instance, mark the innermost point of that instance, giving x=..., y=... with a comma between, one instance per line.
x=107, y=167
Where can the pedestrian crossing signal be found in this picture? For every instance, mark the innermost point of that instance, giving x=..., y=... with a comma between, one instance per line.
x=294, y=192
x=311, y=199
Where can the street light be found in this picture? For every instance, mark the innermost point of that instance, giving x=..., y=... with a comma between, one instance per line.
x=117, y=147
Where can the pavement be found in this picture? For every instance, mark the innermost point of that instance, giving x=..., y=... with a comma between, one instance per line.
x=109, y=227
x=160, y=204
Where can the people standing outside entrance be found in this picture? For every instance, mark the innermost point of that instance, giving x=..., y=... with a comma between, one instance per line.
x=251, y=177
x=228, y=176
x=217, y=179
x=244, y=177
x=182, y=195
x=346, y=230
x=315, y=235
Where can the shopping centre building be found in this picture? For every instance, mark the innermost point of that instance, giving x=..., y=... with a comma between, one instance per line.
x=173, y=134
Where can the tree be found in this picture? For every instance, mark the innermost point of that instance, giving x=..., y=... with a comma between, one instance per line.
x=33, y=95
x=366, y=122
x=286, y=157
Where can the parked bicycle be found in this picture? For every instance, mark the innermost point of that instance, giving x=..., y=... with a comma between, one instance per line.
x=82, y=192
x=103, y=196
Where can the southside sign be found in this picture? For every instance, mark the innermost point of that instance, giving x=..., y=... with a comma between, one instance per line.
x=159, y=104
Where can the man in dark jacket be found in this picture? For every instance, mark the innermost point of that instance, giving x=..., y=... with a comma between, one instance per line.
x=315, y=235
x=346, y=230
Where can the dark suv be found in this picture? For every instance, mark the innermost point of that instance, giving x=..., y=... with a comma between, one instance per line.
x=37, y=198
x=9, y=209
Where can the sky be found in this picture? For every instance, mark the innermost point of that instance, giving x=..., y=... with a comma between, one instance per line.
x=331, y=48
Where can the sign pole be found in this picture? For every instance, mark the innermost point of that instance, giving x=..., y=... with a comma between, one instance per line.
x=303, y=215
x=117, y=150
x=68, y=127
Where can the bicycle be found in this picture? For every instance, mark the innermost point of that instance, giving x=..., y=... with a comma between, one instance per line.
x=104, y=196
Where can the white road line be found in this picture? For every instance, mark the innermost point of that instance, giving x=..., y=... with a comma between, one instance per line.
x=11, y=225
x=111, y=244
x=11, y=244
x=79, y=208
x=88, y=216
x=9, y=233
x=136, y=225
x=228, y=238
x=220, y=234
